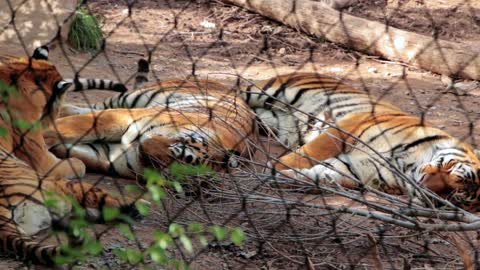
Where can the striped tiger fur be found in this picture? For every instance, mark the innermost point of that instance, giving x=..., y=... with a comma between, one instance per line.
x=28, y=172
x=348, y=137
x=189, y=120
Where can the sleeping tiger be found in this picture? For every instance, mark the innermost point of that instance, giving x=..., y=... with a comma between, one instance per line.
x=187, y=120
x=28, y=172
x=351, y=138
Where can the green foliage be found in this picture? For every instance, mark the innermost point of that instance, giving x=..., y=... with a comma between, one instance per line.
x=6, y=90
x=190, y=238
x=85, y=33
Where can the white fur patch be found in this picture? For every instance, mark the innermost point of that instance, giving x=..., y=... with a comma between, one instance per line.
x=32, y=217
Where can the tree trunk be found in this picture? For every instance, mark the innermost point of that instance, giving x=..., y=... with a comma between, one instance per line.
x=439, y=56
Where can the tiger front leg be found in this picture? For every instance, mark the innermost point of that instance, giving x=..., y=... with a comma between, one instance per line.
x=329, y=173
x=326, y=145
x=33, y=150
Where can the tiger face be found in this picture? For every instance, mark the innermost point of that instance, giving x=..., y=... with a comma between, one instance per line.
x=39, y=89
x=456, y=180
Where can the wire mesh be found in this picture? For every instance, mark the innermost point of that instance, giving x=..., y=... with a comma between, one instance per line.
x=290, y=221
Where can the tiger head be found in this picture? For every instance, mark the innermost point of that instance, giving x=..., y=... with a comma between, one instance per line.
x=455, y=177
x=38, y=89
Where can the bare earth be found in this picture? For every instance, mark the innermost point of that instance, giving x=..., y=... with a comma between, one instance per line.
x=255, y=48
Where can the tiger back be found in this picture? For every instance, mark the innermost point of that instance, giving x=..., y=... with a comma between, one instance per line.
x=346, y=136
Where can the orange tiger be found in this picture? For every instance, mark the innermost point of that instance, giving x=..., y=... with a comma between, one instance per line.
x=348, y=137
x=32, y=91
x=188, y=120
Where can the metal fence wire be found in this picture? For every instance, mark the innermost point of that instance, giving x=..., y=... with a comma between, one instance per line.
x=255, y=134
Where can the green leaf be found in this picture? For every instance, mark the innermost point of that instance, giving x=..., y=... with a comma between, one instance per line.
x=195, y=227
x=3, y=132
x=22, y=124
x=176, y=230
x=6, y=90
x=218, y=232
x=51, y=200
x=61, y=259
x=133, y=188
x=77, y=208
x=187, y=243
x=125, y=230
x=142, y=207
x=203, y=240
x=158, y=255
x=121, y=253
x=163, y=240
x=177, y=186
x=237, y=236
x=93, y=247
x=157, y=193
x=153, y=177
x=134, y=256
x=110, y=213
x=181, y=170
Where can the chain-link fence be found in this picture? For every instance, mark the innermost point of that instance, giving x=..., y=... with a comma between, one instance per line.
x=260, y=134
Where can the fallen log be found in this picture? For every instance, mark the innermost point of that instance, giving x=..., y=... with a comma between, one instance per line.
x=453, y=59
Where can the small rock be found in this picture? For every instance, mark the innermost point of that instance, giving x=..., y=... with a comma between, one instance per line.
x=281, y=51
x=447, y=81
x=466, y=85
x=372, y=70
x=396, y=74
x=207, y=24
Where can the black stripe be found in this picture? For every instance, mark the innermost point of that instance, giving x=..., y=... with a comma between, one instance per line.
x=418, y=142
x=461, y=155
x=281, y=90
x=78, y=85
x=382, y=133
x=268, y=84
x=379, y=172
x=299, y=94
x=248, y=93
x=349, y=168
x=94, y=149
x=102, y=84
x=407, y=127
x=123, y=100
x=90, y=83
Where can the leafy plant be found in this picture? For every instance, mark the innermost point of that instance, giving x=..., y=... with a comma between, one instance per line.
x=85, y=33
x=160, y=251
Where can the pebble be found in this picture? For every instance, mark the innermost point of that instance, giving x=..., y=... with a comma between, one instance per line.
x=446, y=80
x=372, y=70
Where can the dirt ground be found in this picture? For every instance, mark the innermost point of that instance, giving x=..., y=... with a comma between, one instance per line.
x=183, y=36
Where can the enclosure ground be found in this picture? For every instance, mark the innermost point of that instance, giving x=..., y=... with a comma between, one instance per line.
x=255, y=48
